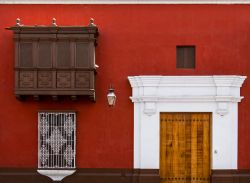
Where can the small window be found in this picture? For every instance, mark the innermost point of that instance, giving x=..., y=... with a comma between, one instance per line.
x=57, y=131
x=185, y=57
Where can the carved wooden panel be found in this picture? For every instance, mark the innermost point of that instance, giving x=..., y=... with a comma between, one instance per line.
x=45, y=54
x=26, y=79
x=45, y=79
x=26, y=54
x=63, y=79
x=82, y=80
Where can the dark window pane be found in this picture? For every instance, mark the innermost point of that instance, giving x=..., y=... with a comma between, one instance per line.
x=82, y=55
x=44, y=54
x=26, y=55
x=63, y=54
x=185, y=56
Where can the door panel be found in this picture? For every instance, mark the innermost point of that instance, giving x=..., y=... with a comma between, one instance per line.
x=185, y=148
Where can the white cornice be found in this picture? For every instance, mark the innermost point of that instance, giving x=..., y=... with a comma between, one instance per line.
x=187, y=81
x=187, y=99
x=219, y=89
x=124, y=2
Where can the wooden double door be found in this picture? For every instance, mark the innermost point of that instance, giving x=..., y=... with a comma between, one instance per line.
x=185, y=147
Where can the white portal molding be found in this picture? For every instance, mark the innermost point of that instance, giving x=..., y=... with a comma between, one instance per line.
x=124, y=1
x=218, y=94
x=220, y=89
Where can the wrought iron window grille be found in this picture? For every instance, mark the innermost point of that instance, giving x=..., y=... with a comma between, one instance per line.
x=57, y=143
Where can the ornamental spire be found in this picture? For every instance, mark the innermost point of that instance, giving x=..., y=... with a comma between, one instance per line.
x=18, y=22
x=91, y=23
x=54, y=22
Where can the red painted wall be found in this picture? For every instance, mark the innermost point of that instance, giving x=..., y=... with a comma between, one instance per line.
x=134, y=40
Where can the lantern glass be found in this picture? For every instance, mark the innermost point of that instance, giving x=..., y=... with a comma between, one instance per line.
x=111, y=97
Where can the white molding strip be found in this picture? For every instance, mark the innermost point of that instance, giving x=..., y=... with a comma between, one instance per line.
x=124, y=2
x=219, y=95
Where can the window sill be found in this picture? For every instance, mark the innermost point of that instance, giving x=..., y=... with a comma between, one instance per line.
x=56, y=175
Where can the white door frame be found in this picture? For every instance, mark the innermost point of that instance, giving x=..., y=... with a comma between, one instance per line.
x=216, y=94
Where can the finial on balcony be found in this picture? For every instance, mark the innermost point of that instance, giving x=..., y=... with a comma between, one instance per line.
x=54, y=22
x=18, y=22
x=91, y=23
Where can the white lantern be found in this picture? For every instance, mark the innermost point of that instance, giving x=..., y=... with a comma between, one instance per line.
x=111, y=97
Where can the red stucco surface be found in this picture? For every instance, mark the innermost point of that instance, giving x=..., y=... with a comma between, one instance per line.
x=134, y=40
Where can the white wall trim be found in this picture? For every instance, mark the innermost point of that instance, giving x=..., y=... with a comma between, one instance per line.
x=216, y=94
x=124, y=2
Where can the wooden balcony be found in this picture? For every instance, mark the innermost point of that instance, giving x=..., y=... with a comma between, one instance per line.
x=55, y=60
